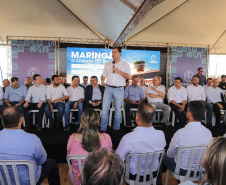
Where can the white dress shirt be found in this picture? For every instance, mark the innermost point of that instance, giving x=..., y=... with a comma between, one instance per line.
x=178, y=95
x=206, y=87
x=115, y=79
x=75, y=93
x=196, y=93
x=214, y=95
x=160, y=88
x=145, y=90
x=141, y=140
x=35, y=94
x=193, y=134
x=56, y=93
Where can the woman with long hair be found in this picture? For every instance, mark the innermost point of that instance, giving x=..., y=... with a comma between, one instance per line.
x=87, y=139
x=214, y=162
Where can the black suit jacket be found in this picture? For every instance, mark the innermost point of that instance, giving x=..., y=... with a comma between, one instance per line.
x=89, y=92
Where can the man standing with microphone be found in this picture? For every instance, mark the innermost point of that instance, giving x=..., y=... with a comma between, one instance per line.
x=115, y=72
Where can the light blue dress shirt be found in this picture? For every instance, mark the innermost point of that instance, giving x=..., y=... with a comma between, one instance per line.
x=134, y=93
x=35, y=94
x=16, y=144
x=15, y=95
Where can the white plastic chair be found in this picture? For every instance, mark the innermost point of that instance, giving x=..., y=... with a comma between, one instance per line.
x=112, y=109
x=34, y=115
x=196, y=152
x=148, y=166
x=79, y=158
x=14, y=164
x=53, y=111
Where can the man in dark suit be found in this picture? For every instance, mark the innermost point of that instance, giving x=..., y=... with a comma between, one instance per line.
x=94, y=94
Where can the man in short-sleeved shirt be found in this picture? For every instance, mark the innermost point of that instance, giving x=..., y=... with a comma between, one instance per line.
x=144, y=138
x=115, y=72
x=133, y=96
x=156, y=94
x=56, y=94
x=15, y=144
x=177, y=96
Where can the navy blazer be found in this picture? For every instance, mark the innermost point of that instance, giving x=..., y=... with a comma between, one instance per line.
x=89, y=92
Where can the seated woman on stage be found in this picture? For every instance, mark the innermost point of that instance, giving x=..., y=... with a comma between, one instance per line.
x=87, y=139
x=214, y=161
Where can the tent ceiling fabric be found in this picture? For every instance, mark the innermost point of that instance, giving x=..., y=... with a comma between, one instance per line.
x=41, y=18
x=196, y=22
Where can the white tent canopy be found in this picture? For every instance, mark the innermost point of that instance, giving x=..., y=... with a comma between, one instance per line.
x=173, y=22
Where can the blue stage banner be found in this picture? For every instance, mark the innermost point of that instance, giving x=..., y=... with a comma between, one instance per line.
x=186, y=61
x=91, y=61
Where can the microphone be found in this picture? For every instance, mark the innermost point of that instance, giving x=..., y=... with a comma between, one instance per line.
x=113, y=62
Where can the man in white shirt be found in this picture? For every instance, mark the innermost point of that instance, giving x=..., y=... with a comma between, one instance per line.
x=36, y=100
x=85, y=81
x=56, y=94
x=76, y=97
x=177, y=97
x=209, y=83
x=156, y=94
x=116, y=72
x=193, y=134
x=144, y=87
x=143, y=139
x=214, y=97
x=196, y=92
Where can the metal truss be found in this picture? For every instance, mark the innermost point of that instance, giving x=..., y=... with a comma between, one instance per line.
x=145, y=44
x=142, y=11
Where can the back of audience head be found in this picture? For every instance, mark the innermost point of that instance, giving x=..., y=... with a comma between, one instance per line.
x=196, y=111
x=14, y=82
x=145, y=115
x=12, y=116
x=103, y=167
x=214, y=162
x=89, y=128
x=48, y=81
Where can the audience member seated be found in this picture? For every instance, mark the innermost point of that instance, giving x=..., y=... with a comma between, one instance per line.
x=85, y=81
x=156, y=94
x=177, y=96
x=6, y=83
x=19, y=145
x=214, y=97
x=214, y=161
x=209, y=83
x=143, y=139
x=15, y=95
x=43, y=81
x=197, y=93
x=48, y=81
x=144, y=87
x=56, y=94
x=36, y=100
x=28, y=82
x=87, y=139
x=76, y=97
x=1, y=100
x=102, y=167
x=66, y=85
x=193, y=134
x=94, y=94
x=201, y=77
x=133, y=96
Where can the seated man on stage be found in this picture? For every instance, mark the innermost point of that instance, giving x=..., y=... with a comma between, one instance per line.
x=28, y=82
x=133, y=96
x=56, y=94
x=36, y=100
x=208, y=84
x=144, y=87
x=196, y=92
x=94, y=94
x=15, y=96
x=177, y=96
x=6, y=83
x=76, y=97
x=214, y=97
x=156, y=94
